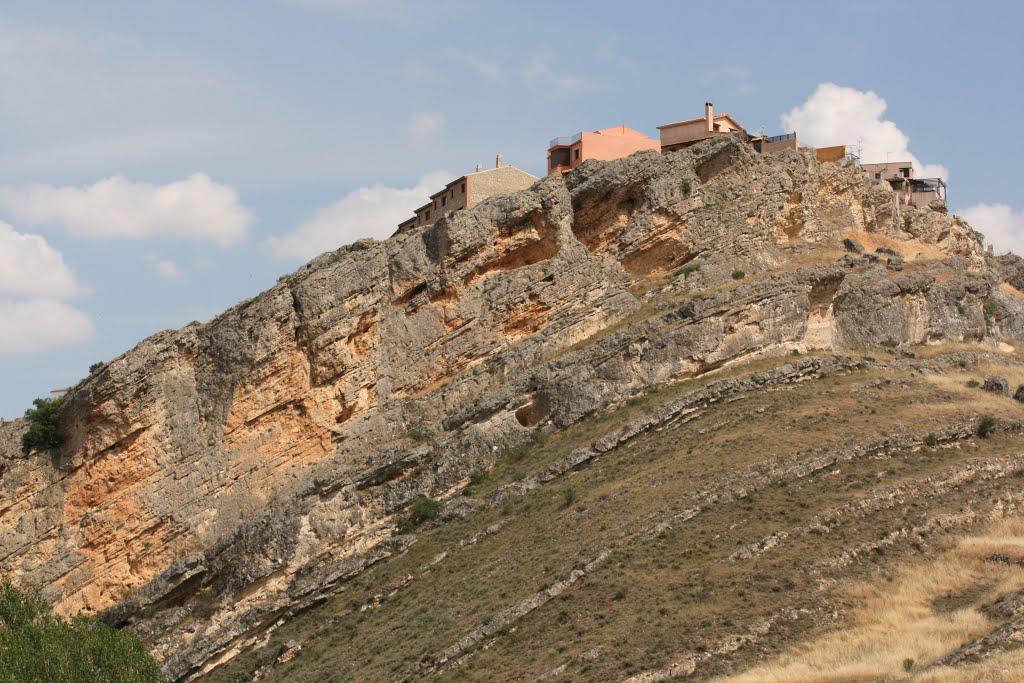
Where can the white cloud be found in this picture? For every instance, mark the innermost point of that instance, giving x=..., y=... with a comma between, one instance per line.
x=34, y=282
x=165, y=268
x=38, y=324
x=367, y=212
x=1002, y=226
x=837, y=115
x=30, y=267
x=488, y=69
x=425, y=126
x=196, y=208
x=539, y=72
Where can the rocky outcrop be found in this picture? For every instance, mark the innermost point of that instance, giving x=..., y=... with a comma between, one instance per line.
x=221, y=476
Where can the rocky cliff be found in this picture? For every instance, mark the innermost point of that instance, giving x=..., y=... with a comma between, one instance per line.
x=221, y=478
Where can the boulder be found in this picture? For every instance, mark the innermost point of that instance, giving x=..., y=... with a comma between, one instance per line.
x=997, y=385
x=853, y=245
x=1019, y=394
x=894, y=263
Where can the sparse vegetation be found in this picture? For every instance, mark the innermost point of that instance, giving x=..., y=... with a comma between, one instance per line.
x=418, y=435
x=569, y=496
x=986, y=425
x=931, y=441
x=686, y=188
x=96, y=367
x=44, y=431
x=686, y=270
x=738, y=275
x=990, y=308
x=421, y=510
x=38, y=647
x=972, y=383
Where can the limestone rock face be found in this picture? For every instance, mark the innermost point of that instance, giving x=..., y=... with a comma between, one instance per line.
x=260, y=458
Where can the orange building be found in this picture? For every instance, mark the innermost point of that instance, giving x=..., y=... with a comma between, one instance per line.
x=691, y=131
x=565, y=154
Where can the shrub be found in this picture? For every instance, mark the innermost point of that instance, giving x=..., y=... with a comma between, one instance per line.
x=686, y=188
x=418, y=435
x=738, y=275
x=569, y=496
x=931, y=441
x=908, y=664
x=973, y=383
x=96, y=367
x=990, y=309
x=44, y=431
x=422, y=510
x=38, y=647
x=986, y=425
x=687, y=270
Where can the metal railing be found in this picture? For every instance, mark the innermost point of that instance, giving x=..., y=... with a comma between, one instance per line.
x=780, y=138
x=565, y=142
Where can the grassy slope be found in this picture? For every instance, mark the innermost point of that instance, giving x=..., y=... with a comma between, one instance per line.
x=668, y=592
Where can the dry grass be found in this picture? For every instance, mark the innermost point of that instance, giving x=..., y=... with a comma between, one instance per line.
x=907, y=249
x=1004, y=667
x=926, y=612
x=1007, y=288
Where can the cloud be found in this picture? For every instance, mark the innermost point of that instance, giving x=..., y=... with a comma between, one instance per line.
x=165, y=268
x=425, y=126
x=1002, y=226
x=39, y=324
x=366, y=212
x=196, y=208
x=837, y=115
x=539, y=72
x=485, y=67
x=30, y=267
x=34, y=284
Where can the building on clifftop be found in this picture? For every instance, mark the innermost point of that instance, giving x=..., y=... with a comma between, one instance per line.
x=468, y=190
x=909, y=190
x=691, y=131
x=565, y=154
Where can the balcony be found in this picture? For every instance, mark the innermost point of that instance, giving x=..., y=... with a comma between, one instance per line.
x=565, y=142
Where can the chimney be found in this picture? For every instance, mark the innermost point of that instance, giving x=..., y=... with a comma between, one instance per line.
x=709, y=116
x=479, y=168
x=497, y=161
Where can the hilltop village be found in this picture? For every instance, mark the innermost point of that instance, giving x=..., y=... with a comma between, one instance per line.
x=566, y=153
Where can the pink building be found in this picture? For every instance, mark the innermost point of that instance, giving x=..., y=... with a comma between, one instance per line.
x=565, y=154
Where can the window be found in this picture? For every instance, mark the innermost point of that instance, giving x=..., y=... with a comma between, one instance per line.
x=426, y=216
x=576, y=154
x=463, y=188
x=878, y=176
x=444, y=201
x=905, y=172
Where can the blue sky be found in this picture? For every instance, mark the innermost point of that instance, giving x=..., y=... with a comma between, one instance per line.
x=161, y=161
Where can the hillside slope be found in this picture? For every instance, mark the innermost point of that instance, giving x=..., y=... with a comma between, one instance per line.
x=221, y=479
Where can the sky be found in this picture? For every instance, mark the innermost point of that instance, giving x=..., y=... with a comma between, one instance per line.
x=162, y=161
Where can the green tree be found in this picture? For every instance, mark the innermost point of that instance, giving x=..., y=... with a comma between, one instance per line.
x=38, y=647
x=44, y=430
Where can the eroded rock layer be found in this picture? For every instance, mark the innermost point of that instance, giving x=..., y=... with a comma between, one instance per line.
x=231, y=473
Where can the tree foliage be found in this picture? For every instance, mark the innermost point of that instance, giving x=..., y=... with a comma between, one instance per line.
x=44, y=430
x=38, y=647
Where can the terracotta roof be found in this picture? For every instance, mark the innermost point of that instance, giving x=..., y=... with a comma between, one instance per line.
x=701, y=118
